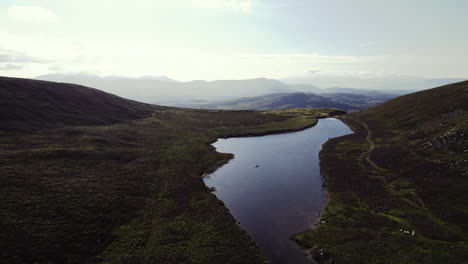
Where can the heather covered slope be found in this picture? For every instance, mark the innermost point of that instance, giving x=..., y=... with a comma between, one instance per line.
x=403, y=171
x=413, y=110
x=428, y=142
x=31, y=103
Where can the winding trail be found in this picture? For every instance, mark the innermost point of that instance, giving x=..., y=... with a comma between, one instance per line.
x=368, y=159
x=369, y=152
x=371, y=146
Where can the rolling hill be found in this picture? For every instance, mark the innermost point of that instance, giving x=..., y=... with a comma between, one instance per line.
x=347, y=102
x=398, y=186
x=273, y=101
x=30, y=103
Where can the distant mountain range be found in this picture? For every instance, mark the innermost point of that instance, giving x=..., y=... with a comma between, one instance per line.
x=152, y=90
x=146, y=77
x=260, y=93
x=161, y=89
x=380, y=83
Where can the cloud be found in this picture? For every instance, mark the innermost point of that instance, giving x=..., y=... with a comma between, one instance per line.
x=367, y=44
x=121, y=57
x=31, y=14
x=244, y=6
x=18, y=58
x=11, y=67
x=55, y=68
x=10, y=56
x=312, y=72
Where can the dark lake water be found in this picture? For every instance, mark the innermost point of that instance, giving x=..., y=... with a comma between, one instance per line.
x=283, y=195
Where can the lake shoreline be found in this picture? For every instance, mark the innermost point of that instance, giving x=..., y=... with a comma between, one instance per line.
x=211, y=168
x=323, y=174
x=316, y=215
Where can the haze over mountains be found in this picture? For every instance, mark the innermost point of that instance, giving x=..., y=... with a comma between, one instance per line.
x=250, y=94
x=159, y=90
x=214, y=94
x=380, y=83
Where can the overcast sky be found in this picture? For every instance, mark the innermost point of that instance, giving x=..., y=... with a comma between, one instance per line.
x=234, y=39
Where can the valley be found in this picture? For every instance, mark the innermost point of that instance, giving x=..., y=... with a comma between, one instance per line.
x=233, y=132
x=121, y=187
x=90, y=177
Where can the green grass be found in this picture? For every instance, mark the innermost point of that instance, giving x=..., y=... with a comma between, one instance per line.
x=130, y=192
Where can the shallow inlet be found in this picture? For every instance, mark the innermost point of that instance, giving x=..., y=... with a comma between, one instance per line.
x=273, y=186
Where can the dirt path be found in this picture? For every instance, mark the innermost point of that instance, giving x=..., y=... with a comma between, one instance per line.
x=371, y=146
x=369, y=152
x=368, y=159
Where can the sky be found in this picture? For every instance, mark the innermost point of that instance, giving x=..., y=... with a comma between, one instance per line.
x=235, y=39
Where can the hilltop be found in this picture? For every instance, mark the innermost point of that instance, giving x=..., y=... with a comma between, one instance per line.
x=29, y=104
x=414, y=110
x=398, y=186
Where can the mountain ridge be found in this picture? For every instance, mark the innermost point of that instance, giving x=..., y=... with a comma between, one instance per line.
x=157, y=91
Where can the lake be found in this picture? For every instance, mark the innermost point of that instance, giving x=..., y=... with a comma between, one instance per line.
x=273, y=186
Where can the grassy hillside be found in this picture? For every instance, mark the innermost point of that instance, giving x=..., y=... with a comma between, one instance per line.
x=30, y=103
x=126, y=192
x=414, y=110
x=403, y=171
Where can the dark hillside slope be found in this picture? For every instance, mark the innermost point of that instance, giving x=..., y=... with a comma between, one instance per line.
x=409, y=111
x=398, y=186
x=30, y=103
x=130, y=192
x=425, y=135
x=360, y=101
x=277, y=101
